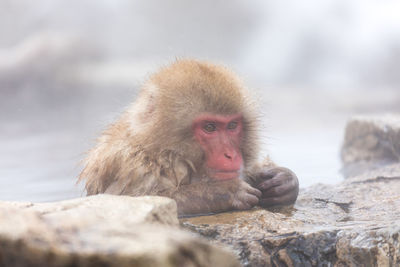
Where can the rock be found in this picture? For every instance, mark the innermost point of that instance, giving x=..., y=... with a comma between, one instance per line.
x=102, y=230
x=109, y=208
x=370, y=142
x=355, y=223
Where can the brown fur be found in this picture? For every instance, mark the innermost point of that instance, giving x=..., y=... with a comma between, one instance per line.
x=151, y=149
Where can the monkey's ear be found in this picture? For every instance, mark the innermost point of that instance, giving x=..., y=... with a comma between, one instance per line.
x=151, y=105
x=144, y=108
x=150, y=95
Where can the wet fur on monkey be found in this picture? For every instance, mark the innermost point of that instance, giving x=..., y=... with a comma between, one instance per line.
x=152, y=149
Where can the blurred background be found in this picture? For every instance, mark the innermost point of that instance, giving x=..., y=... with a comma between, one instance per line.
x=69, y=68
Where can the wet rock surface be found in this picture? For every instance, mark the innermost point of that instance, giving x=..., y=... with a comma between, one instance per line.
x=355, y=223
x=101, y=230
x=370, y=142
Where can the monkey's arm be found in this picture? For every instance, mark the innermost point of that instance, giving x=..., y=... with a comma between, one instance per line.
x=279, y=185
x=213, y=196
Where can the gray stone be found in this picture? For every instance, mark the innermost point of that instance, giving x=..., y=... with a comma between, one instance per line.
x=370, y=142
x=354, y=223
x=102, y=230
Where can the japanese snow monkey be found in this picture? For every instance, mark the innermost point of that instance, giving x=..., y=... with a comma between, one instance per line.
x=191, y=135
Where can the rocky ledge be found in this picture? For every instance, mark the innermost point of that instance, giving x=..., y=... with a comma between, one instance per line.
x=370, y=142
x=355, y=223
x=102, y=230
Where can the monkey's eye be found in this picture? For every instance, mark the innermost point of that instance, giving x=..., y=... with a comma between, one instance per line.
x=210, y=127
x=232, y=125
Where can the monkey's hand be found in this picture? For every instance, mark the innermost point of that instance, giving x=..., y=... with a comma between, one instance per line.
x=214, y=196
x=246, y=196
x=279, y=186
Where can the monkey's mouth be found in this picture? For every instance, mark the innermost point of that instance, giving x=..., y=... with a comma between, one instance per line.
x=224, y=175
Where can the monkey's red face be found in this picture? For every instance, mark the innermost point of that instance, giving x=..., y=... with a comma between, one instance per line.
x=220, y=136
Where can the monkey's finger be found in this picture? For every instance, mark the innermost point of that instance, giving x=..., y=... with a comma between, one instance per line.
x=276, y=181
x=268, y=174
x=252, y=200
x=282, y=200
x=251, y=190
x=245, y=201
x=254, y=191
x=280, y=190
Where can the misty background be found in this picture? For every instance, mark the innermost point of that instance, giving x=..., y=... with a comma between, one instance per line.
x=69, y=68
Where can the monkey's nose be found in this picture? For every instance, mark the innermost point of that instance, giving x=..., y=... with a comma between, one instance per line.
x=228, y=156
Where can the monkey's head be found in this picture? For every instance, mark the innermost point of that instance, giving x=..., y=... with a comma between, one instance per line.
x=201, y=112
